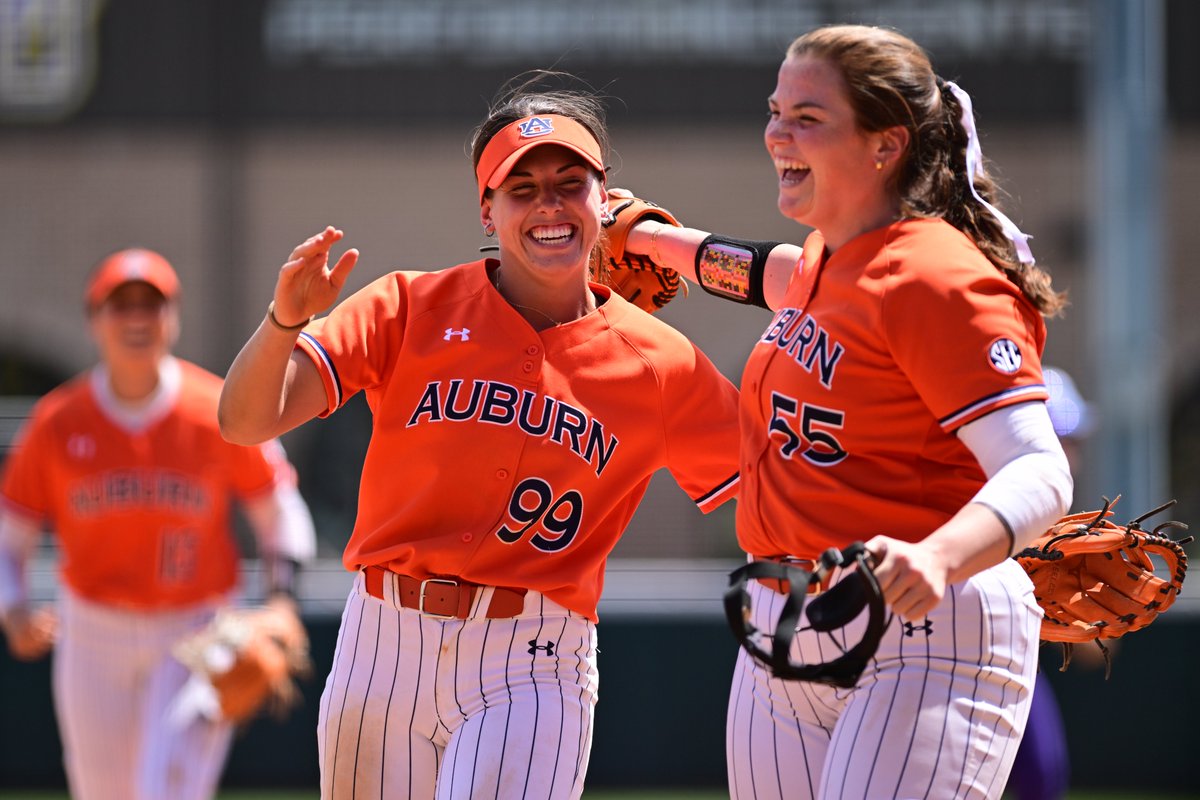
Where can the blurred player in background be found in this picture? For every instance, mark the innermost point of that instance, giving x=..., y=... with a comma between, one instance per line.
x=126, y=466
x=1042, y=769
x=897, y=397
x=519, y=413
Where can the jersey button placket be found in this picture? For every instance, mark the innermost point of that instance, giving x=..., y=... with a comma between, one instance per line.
x=528, y=364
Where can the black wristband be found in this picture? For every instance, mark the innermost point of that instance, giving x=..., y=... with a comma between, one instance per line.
x=733, y=268
x=289, y=328
x=281, y=575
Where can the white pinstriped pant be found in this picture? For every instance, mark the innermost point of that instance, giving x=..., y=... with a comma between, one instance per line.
x=418, y=707
x=937, y=714
x=114, y=681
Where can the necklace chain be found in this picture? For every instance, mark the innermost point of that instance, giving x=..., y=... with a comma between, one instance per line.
x=548, y=318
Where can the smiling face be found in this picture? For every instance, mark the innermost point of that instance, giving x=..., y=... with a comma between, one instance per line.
x=826, y=165
x=135, y=326
x=546, y=214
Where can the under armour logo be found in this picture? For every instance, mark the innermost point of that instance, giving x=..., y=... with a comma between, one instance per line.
x=81, y=446
x=911, y=630
x=1005, y=356
x=464, y=334
x=534, y=647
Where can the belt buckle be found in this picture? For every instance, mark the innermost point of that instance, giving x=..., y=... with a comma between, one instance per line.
x=421, y=597
x=810, y=566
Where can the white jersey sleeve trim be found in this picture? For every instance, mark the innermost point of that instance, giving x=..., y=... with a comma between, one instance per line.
x=726, y=490
x=1036, y=391
x=326, y=363
x=1029, y=482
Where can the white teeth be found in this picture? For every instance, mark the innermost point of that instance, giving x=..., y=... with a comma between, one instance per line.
x=787, y=163
x=551, y=233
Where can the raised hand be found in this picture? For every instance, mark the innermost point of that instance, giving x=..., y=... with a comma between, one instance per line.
x=306, y=284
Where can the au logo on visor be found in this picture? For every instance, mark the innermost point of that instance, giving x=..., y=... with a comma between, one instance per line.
x=535, y=126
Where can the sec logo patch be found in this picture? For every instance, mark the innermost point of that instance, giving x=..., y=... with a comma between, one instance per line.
x=1005, y=356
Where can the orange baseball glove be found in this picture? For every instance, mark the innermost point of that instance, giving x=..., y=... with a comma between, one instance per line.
x=639, y=279
x=643, y=282
x=250, y=658
x=1094, y=579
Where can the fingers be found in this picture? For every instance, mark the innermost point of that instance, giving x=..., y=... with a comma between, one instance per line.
x=306, y=286
x=912, y=600
x=877, y=550
x=912, y=584
x=341, y=270
x=317, y=244
x=315, y=249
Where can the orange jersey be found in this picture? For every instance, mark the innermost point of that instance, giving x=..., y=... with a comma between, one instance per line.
x=509, y=457
x=851, y=397
x=142, y=517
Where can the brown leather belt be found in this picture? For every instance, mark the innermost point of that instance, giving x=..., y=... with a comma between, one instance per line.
x=444, y=598
x=784, y=587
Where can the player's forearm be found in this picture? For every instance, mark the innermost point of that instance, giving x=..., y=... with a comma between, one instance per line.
x=971, y=541
x=254, y=402
x=668, y=245
x=18, y=537
x=676, y=248
x=988, y=530
x=282, y=524
x=14, y=592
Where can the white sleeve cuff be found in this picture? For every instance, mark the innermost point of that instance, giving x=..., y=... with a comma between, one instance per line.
x=1029, y=482
x=18, y=537
x=282, y=524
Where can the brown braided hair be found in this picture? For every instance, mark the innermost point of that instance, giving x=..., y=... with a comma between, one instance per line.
x=890, y=81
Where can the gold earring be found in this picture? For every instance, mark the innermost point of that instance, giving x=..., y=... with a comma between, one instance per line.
x=879, y=165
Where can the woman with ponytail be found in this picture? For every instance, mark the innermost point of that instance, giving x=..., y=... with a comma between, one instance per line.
x=897, y=398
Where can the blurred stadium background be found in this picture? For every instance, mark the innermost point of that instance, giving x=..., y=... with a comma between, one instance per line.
x=221, y=132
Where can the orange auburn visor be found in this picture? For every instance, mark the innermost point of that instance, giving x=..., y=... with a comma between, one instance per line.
x=511, y=142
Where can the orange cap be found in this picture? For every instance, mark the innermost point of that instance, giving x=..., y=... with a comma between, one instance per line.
x=131, y=265
x=511, y=142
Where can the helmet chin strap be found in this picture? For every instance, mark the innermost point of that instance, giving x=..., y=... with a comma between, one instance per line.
x=829, y=611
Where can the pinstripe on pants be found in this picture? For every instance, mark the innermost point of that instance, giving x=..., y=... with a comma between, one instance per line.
x=114, y=682
x=418, y=707
x=937, y=714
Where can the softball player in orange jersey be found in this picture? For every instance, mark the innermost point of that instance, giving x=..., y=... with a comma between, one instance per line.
x=519, y=412
x=127, y=467
x=896, y=397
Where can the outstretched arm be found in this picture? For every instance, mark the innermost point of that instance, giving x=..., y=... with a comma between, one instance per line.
x=269, y=390
x=676, y=248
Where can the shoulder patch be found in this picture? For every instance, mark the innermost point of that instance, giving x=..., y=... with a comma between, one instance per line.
x=1004, y=355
